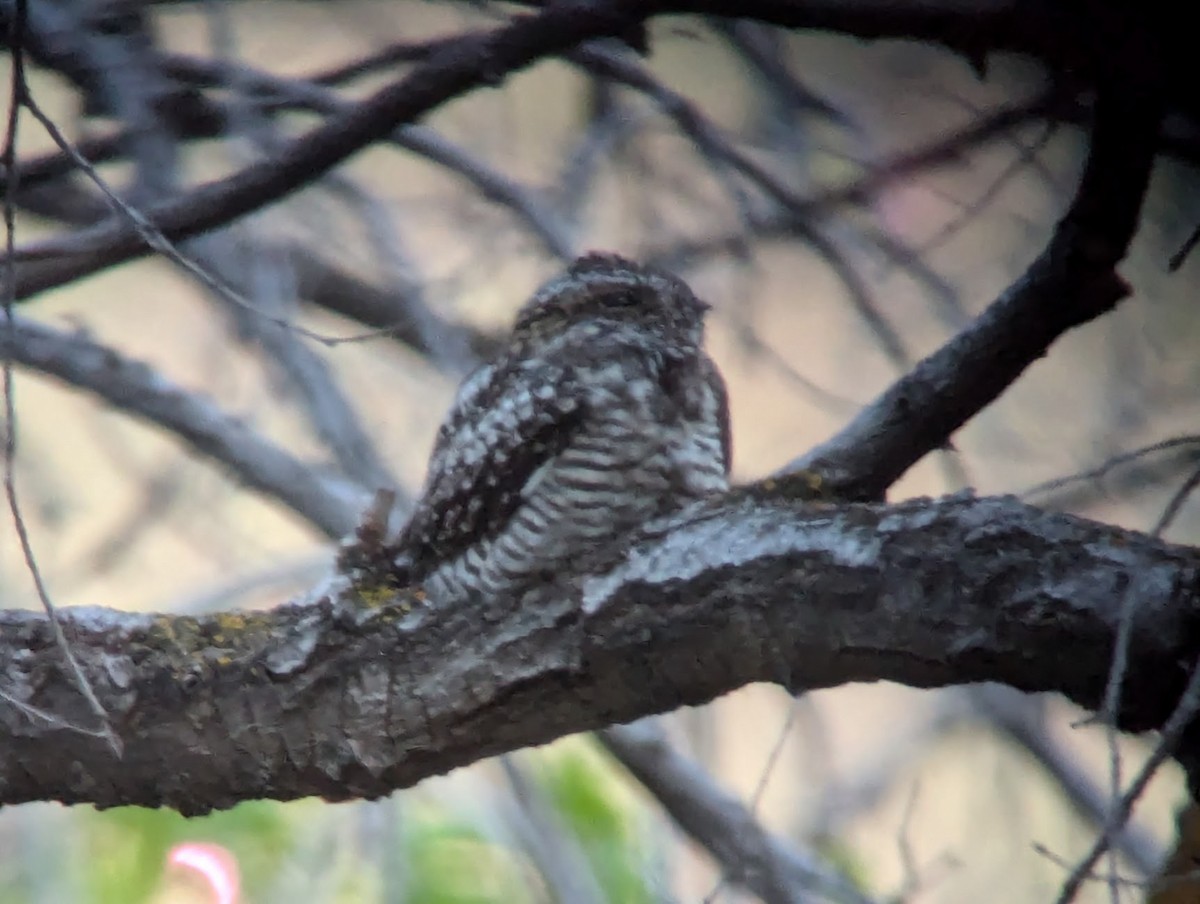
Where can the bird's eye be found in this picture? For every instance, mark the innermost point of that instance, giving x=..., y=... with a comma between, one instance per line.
x=621, y=298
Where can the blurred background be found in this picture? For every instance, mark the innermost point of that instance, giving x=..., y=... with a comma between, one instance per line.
x=704, y=158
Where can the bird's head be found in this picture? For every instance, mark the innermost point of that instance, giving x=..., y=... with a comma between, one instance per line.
x=611, y=292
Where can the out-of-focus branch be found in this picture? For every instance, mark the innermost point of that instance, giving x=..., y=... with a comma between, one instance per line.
x=331, y=287
x=331, y=504
x=1151, y=466
x=766, y=51
x=1095, y=41
x=132, y=83
x=318, y=280
x=472, y=60
x=748, y=855
x=538, y=217
x=261, y=274
x=1180, y=721
x=451, y=69
x=708, y=139
x=547, y=839
x=943, y=150
x=350, y=698
x=1073, y=281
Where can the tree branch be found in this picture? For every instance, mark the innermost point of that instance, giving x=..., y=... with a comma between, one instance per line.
x=459, y=65
x=748, y=854
x=348, y=699
x=331, y=504
x=1072, y=282
x=468, y=62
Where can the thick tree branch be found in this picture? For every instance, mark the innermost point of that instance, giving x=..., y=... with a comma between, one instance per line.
x=1096, y=41
x=348, y=699
x=1072, y=282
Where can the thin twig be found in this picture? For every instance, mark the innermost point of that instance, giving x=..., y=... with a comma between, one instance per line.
x=763, y=778
x=1111, y=709
x=613, y=65
x=18, y=97
x=538, y=217
x=1110, y=464
x=383, y=58
x=1025, y=157
x=552, y=847
x=324, y=284
x=1185, y=710
x=1021, y=718
x=1176, y=504
x=156, y=240
x=449, y=350
x=945, y=149
x=36, y=713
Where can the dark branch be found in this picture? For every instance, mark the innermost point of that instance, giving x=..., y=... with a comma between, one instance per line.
x=328, y=503
x=748, y=854
x=346, y=699
x=1072, y=282
x=472, y=60
x=459, y=65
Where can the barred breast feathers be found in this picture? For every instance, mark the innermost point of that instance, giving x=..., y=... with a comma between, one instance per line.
x=602, y=412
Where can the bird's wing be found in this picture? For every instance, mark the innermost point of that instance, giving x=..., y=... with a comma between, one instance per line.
x=507, y=421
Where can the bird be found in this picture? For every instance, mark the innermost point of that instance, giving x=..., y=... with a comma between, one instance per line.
x=601, y=412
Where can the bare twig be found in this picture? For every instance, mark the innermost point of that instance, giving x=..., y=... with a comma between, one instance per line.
x=332, y=287
x=1027, y=153
x=1175, y=504
x=615, y=66
x=266, y=273
x=1110, y=710
x=552, y=846
x=764, y=779
x=19, y=97
x=947, y=149
x=156, y=240
x=531, y=210
x=1173, y=728
x=1102, y=470
x=764, y=49
x=325, y=405
x=318, y=280
x=449, y=349
x=384, y=58
x=1021, y=718
x=607, y=128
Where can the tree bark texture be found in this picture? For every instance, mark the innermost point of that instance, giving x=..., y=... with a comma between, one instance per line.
x=362, y=692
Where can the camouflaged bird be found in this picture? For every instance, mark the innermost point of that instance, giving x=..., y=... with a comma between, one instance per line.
x=601, y=413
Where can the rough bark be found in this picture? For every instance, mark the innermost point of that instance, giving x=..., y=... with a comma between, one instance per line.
x=362, y=693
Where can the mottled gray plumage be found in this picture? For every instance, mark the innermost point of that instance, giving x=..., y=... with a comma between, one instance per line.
x=602, y=413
